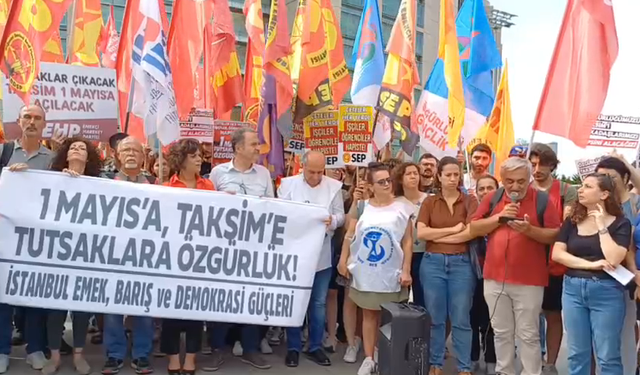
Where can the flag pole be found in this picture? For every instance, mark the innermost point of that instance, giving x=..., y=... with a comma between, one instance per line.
x=129, y=105
x=71, y=29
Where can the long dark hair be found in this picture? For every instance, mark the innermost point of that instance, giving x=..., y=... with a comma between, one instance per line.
x=447, y=160
x=398, y=177
x=611, y=204
x=94, y=162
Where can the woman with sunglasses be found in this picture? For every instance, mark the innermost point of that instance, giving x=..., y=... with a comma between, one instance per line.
x=376, y=255
x=593, y=240
x=447, y=274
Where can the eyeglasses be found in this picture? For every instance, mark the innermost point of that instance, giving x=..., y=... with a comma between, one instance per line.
x=384, y=181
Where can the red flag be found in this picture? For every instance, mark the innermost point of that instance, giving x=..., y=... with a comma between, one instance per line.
x=578, y=78
x=86, y=33
x=253, y=64
x=52, y=51
x=109, y=43
x=277, y=50
x=222, y=67
x=28, y=29
x=185, y=44
x=132, y=17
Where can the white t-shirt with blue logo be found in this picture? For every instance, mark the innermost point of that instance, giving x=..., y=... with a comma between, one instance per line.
x=376, y=251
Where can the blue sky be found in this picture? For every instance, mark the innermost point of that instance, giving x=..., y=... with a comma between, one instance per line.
x=528, y=47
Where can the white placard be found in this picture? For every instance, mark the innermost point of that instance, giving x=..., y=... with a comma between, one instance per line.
x=78, y=100
x=586, y=166
x=113, y=247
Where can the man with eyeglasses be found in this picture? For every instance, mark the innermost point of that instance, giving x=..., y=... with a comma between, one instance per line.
x=428, y=167
x=130, y=154
x=241, y=175
x=26, y=152
x=315, y=188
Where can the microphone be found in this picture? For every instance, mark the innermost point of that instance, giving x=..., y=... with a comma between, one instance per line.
x=515, y=197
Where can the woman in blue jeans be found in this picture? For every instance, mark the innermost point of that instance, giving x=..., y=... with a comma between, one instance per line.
x=446, y=272
x=593, y=240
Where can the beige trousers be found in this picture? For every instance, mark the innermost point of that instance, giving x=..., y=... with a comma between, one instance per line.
x=515, y=311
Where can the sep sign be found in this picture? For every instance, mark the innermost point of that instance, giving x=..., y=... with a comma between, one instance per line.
x=78, y=101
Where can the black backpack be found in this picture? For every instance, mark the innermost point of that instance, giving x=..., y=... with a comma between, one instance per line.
x=541, y=204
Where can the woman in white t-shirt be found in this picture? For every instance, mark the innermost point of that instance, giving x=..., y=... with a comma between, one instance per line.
x=376, y=255
x=406, y=183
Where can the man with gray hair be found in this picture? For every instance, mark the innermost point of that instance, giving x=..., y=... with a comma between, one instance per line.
x=519, y=222
x=313, y=187
x=241, y=175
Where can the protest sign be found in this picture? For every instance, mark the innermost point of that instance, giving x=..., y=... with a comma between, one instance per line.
x=615, y=131
x=587, y=166
x=197, y=125
x=321, y=134
x=114, y=247
x=356, y=128
x=78, y=101
x=222, y=130
x=295, y=143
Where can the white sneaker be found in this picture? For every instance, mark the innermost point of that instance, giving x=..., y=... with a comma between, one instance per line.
x=491, y=369
x=237, y=349
x=368, y=367
x=37, y=360
x=265, y=348
x=351, y=355
x=475, y=366
x=549, y=370
x=4, y=363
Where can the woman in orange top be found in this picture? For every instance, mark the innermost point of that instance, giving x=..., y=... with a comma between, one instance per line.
x=185, y=161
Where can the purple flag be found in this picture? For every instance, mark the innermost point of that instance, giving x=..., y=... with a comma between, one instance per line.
x=272, y=149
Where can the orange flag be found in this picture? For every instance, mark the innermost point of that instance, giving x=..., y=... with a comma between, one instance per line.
x=27, y=31
x=109, y=43
x=253, y=64
x=276, y=56
x=131, y=18
x=53, y=50
x=309, y=61
x=222, y=67
x=339, y=76
x=4, y=13
x=578, y=78
x=395, y=102
x=86, y=33
x=185, y=44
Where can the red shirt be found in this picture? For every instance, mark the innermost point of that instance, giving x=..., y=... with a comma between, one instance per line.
x=201, y=183
x=524, y=258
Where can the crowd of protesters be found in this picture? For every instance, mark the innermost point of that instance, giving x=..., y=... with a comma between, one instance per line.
x=504, y=264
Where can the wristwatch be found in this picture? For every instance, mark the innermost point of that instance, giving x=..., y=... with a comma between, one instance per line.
x=603, y=231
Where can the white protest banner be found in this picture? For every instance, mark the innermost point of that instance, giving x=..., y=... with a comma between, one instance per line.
x=587, y=166
x=114, y=247
x=198, y=125
x=356, y=128
x=615, y=131
x=78, y=100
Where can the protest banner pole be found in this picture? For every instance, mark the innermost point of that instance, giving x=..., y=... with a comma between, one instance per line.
x=533, y=133
x=129, y=105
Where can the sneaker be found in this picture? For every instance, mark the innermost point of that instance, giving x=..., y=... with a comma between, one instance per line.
x=50, y=368
x=217, y=360
x=142, y=366
x=329, y=345
x=351, y=355
x=368, y=367
x=549, y=370
x=292, y=359
x=112, y=366
x=319, y=357
x=264, y=347
x=255, y=360
x=4, y=363
x=491, y=369
x=37, y=360
x=275, y=335
x=82, y=366
x=237, y=349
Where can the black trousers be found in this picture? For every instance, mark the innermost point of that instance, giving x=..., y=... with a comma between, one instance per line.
x=481, y=327
x=170, y=337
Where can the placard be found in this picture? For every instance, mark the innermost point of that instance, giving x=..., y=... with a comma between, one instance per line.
x=321, y=134
x=197, y=125
x=615, y=131
x=356, y=128
x=78, y=101
x=586, y=166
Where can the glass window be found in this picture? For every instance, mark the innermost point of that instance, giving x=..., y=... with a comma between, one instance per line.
x=118, y=15
x=349, y=23
x=386, y=31
x=416, y=95
x=358, y=3
x=419, y=43
x=238, y=25
x=241, y=49
x=121, y=3
x=420, y=16
x=390, y=7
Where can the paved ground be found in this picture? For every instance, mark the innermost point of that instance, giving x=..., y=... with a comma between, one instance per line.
x=232, y=366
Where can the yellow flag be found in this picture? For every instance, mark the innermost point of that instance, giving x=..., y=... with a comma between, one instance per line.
x=450, y=54
x=498, y=131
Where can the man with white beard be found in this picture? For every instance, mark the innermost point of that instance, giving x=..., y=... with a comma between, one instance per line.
x=312, y=186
